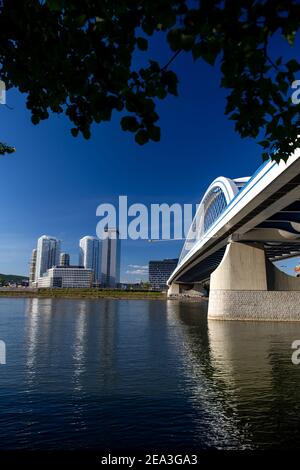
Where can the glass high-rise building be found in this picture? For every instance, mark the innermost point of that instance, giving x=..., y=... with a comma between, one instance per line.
x=32, y=267
x=64, y=259
x=111, y=250
x=160, y=271
x=90, y=255
x=47, y=256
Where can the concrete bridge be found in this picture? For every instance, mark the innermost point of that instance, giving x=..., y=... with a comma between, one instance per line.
x=242, y=226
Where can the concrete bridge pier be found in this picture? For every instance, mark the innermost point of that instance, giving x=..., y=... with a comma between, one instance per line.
x=186, y=290
x=247, y=286
x=174, y=289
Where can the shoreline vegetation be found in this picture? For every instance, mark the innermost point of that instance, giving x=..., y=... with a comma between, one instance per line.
x=81, y=293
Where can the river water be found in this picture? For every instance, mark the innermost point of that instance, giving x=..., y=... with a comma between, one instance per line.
x=144, y=375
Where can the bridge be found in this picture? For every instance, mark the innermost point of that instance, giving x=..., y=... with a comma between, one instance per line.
x=241, y=227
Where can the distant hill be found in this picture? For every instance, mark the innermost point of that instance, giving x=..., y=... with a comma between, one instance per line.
x=11, y=278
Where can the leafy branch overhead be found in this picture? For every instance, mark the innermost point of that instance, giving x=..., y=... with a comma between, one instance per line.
x=76, y=58
x=4, y=148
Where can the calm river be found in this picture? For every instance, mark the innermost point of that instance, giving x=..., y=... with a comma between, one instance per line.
x=117, y=374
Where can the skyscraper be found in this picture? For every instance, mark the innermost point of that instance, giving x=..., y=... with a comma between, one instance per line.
x=48, y=250
x=32, y=267
x=110, y=269
x=160, y=271
x=90, y=255
x=64, y=259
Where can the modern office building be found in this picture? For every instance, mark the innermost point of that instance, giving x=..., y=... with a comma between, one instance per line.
x=111, y=251
x=90, y=255
x=67, y=277
x=160, y=271
x=64, y=260
x=32, y=267
x=48, y=251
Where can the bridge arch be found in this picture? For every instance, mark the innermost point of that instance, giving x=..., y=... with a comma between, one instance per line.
x=215, y=200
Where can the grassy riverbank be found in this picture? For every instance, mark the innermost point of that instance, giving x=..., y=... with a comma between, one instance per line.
x=82, y=294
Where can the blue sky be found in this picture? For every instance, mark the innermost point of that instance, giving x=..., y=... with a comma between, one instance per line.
x=53, y=183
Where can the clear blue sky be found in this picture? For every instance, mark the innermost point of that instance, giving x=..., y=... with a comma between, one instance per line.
x=53, y=183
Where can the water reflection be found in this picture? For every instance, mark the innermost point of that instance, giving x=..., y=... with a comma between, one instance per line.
x=73, y=335
x=252, y=360
x=241, y=372
x=144, y=374
x=216, y=417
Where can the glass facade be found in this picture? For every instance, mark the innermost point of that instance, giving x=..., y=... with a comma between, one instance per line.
x=111, y=251
x=160, y=271
x=48, y=251
x=90, y=255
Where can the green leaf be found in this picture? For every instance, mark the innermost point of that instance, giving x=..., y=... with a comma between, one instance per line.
x=293, y=65
x=55, y=5
x=4, y=148
x=142, y=137
x=196, y=51
x=264, y=143
x=209, y=52
x=290, y=36
x=86, y=133
x=170, y=79
x=74, y=132
x=174, y=39
x=154, y=133
x=142, y=43
x=265, y=156
x=35, y=120
x=129, y=123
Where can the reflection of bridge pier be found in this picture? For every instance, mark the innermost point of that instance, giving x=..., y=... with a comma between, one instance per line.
x=242, y=226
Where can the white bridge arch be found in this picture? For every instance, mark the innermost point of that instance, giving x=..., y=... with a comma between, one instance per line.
x=215, y=200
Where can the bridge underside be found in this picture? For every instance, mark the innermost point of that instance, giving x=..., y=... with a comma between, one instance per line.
x=280, y=233
x=202, y=271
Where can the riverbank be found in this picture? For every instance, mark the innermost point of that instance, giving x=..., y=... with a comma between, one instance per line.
x=83, y=294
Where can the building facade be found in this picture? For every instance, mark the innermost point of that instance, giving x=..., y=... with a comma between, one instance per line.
x=67, y=277
x=48, y=251
x=111, y=252
x=64, y=259
x=160, y=271
x=32, y=267
x=90, y=255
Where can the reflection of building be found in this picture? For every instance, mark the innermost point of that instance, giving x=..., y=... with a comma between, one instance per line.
x=90, y=255
x=32, y=267
x=160, y=271
x=48, y=250
x=110, y=268
x=64, y=259
x=70, y=276
x=84, y=337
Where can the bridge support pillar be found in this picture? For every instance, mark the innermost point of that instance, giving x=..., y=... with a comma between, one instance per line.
x=186, y=290
x=173, y=289
x=247, y=286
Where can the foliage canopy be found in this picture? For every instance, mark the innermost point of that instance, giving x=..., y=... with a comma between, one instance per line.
x=75, y=57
